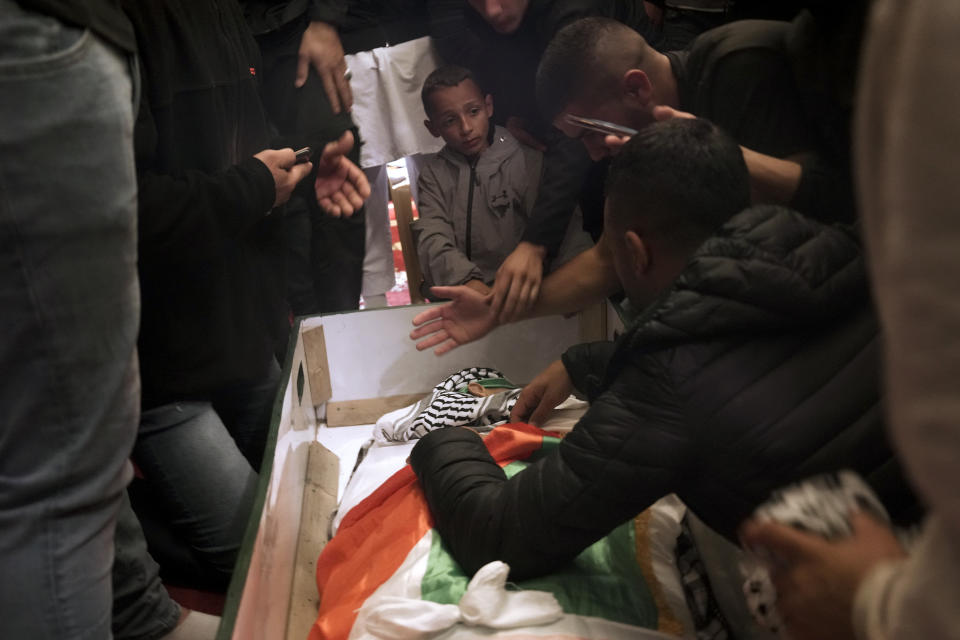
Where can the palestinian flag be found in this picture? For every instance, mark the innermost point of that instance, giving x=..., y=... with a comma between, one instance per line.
x=386, y=546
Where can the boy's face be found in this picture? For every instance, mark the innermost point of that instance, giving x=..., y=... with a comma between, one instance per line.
x=461, y=116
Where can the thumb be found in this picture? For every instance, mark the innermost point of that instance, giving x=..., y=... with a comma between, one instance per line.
x=785, y=542
x=450, y=293
x=300, y=171
x=303, y=67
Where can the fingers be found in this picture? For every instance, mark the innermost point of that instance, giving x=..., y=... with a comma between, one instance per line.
x=303, y=68
x=358, y=179
x=501, y=286
x=300, y=171
x=356, y=201
x=785, y=542
x=431, y=314
x=343, y=87
x=329, y=207
x=286, y=158
x=615, y=143
x=330, y=87
x=433, y=340
x=542, y=412
x=450, y=293
x=526, y=403
x=446, y=347
x=510, y=306
x=334, y=150
x=663, y=112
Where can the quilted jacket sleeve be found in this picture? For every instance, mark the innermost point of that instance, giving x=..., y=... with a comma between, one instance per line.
x=627, y=451
x=586, y=364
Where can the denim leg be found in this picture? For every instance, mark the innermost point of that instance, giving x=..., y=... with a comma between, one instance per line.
x=247, y=410
x=204, y=484
x=142, y=609
x=69, y=310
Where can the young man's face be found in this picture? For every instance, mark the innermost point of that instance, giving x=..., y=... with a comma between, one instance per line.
x=461, y=116
x=504, y=16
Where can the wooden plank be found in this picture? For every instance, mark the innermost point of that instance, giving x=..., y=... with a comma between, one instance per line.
x=318, y=370
x=403, y=211
x=367, y=411
x=319, y=502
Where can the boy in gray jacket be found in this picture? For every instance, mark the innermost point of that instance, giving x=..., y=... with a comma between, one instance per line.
x=476, y=193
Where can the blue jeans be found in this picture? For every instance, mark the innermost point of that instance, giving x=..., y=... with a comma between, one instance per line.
x=200, y=460
x=69, y=311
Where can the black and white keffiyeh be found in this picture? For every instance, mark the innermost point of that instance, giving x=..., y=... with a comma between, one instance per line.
x=447, y=406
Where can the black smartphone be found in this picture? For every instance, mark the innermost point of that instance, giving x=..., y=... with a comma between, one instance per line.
x=601, y=126
x=303, y=155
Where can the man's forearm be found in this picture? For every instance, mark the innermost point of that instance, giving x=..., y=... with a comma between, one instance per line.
x=772, y=180
x=585, y=280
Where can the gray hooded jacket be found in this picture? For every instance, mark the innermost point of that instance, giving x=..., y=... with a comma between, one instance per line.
x=473, y=216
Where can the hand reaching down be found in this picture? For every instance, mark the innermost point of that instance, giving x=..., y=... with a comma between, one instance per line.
x=320, y=46
x=286, y=173
x=341, y=187
x=517, y=283
x=466, y=318
x=538, y=399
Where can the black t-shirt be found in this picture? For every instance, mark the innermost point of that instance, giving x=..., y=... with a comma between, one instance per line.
x=739, y=77
x=103, y=17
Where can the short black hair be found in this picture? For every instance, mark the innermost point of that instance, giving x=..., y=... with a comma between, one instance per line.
x=444, y=77
x=571, y=62
x=681, y=179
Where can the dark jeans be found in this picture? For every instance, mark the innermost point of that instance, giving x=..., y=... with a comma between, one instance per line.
x=324, y=268
x=200, y=460
x=69, y=311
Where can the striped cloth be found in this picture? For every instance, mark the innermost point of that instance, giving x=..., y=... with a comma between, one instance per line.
x=448, y=406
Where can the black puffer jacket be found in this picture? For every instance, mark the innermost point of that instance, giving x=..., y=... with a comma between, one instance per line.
x=757, y=368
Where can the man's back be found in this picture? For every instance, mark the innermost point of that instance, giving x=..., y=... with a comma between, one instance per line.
x=756, y=368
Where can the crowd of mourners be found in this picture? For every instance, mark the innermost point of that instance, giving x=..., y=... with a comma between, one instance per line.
x=764, y=191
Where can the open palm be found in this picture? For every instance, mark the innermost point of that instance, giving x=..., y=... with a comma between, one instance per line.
x=467, y=317
x=341, y=186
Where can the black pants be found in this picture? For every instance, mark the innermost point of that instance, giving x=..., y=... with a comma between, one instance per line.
x=324, y=265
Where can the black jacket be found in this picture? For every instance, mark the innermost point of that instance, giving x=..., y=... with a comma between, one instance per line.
x=209, y=254
x=757, y=368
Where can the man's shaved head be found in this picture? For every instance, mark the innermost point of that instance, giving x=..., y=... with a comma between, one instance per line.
x=588, y=57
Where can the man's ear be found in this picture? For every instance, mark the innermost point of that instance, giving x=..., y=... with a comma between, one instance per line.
x=431, y=128
x=488, y=105
x=635, y=86
x=639, y=253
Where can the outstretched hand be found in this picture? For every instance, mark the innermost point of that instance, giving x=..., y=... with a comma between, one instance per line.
x=320, y=47
x=341, y=186
x=467, y=317
x=817, y=579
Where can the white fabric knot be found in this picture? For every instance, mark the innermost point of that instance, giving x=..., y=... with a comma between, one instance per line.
x=486, y=603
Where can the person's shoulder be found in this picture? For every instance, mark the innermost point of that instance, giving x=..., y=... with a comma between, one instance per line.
x=738, y=37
